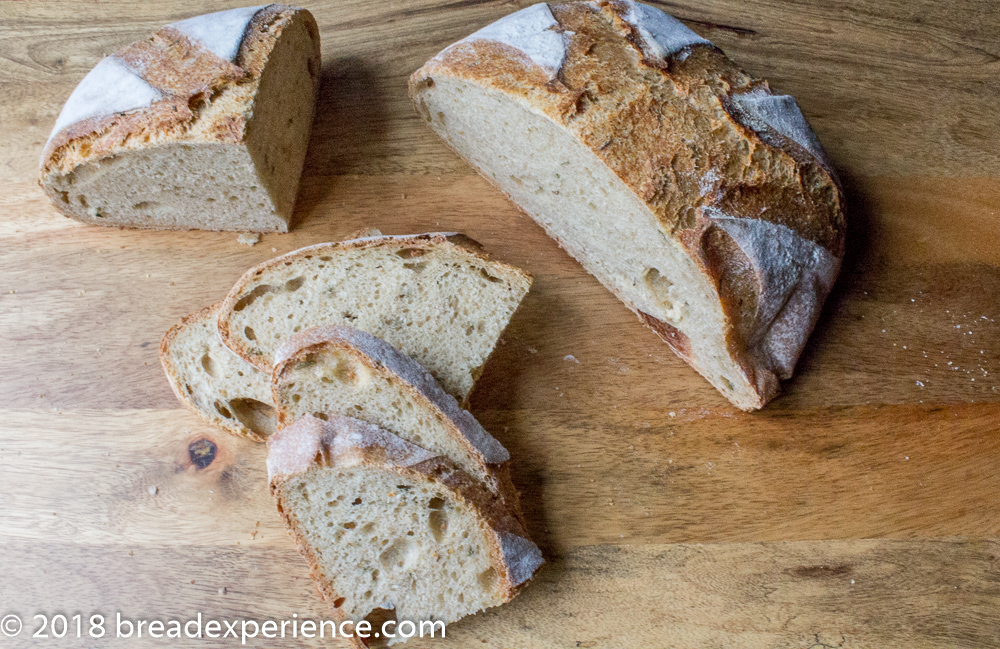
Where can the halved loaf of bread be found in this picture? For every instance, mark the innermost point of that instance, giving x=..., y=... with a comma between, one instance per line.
x=345, y=371
x=685, y=185
x=391, y=530
x=224, y=389
x=203, y=125
x=435, y=297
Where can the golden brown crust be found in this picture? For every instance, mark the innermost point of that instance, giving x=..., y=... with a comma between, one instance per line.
x=416, y=241
x=191, y=79
x=174, y=379
x=617, y=101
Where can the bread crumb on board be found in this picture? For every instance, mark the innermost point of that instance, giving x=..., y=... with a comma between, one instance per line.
x=249, y=238
x=153, y=490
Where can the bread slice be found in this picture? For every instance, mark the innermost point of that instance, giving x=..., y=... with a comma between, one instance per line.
x=391, y=530
x=215, y=383
x=435, y=297
x=345, y=371
x=684, y=184
x=203, y=125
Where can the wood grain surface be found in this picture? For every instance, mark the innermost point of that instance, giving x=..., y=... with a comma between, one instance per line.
x=860, y=509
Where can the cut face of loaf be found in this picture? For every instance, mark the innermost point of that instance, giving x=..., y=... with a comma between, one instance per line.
x=691, y=191
x=204, y=125
x=215, y=383
x=348, y=372
x=435, y=297
x=391, y=531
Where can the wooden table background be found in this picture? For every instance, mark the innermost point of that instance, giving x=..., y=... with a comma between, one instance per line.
x=858, y=510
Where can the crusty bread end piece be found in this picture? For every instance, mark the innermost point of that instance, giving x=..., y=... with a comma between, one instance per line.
x=203, y=125
x=389, y=529
x=694, y=193
x=436, y=297
x=215, y=383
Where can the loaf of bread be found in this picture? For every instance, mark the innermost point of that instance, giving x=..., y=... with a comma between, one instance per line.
x=215, y=383
x=436, y=297
x=342, y=370
x=203, y=125
x=694, y=193
x=390, y=530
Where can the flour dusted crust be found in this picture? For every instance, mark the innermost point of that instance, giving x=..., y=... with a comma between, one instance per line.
x=767, y=227
x=194, y=81
x=382, y=356
x=344, y=442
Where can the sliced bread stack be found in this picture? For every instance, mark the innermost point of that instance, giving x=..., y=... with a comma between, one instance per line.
x=357, y=353
x=437, y=297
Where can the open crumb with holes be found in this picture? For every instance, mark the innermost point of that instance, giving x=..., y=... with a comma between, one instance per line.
x=391, y=530
x=436, y=297
x=345, y=371
x=214, y=382
x=203, y=125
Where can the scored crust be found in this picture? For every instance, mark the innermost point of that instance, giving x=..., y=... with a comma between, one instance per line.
x=341, y=441
x=249, y=279
x=606, y=72
x=186, y=74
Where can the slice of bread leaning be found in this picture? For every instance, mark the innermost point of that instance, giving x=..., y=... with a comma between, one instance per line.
x=694, y=193
x=203, y=125
x=215, y=383
x=436, y=297
x=391, y=531
x=345, y=371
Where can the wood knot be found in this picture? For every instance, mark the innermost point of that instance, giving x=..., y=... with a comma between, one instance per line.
x=202, y=452
x=820, y=571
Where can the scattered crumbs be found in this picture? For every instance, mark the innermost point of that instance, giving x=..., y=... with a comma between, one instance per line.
x=153, y=490
x=12, y=291
x=223, y=590
x=192, y=581
x=81, y=292
x=532, y=350
x=672, y=413
x=130, y=553
x=273, y=249
x=571, y=358
x=852, y=581
x=249, y=238
x=920, y=384
x=907, y=457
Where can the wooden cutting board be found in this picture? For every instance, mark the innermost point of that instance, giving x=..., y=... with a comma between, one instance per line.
x=860, y=509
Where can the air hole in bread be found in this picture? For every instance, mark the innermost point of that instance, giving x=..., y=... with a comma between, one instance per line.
x=376, y=619
x=438, y=521
x=488, y=578
x=321, y=415
x=207, y=364
x=249, y=333
x=357, y=501
x=293, y=285
x=222, y=410
x=416, y=267
x=350, y=525
x=727, y=383
x=252, y=296
x=145, y=205
x=337, y=603
x=489, y=278
x=398, y=554
x=255, y=415
x=409, y=253
x=659, y=286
